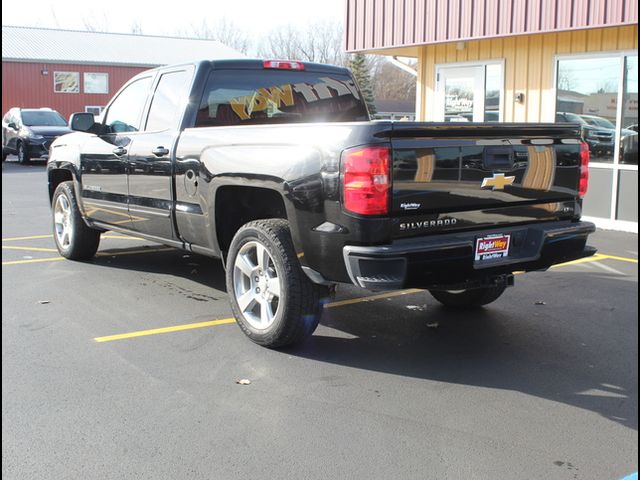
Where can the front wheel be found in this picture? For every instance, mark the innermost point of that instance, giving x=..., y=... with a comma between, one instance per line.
x=74, y=239
x=466, y=299
x=272, y=299
x=23, y=154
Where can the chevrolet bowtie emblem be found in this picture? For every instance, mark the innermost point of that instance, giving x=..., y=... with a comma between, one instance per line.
x=498, y=181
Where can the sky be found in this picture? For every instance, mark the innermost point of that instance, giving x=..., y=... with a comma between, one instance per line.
x=256, y=17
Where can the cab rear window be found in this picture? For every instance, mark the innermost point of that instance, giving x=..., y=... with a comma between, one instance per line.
x=249, y=97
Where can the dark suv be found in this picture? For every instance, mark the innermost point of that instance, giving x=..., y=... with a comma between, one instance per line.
x=29, y=132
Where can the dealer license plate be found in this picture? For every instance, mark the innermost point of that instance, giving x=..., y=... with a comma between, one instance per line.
x=492, y=247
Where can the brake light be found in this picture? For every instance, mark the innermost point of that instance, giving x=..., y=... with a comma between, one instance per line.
x=584, y=169
x=366, y=180
x=283, y=64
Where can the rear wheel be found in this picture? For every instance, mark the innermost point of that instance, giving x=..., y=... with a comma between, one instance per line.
x=23, y=154
x=272, y=299
x=74, y=239
x=466, y=299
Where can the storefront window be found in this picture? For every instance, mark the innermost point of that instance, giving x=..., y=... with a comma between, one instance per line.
x=493, y=85
x=587, y=93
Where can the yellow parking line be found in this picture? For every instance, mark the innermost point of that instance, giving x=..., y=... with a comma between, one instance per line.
x=340, y=303
x=370, y=298
x=33, y=260
x=35, y=249
x=33, y=237
x=99, y=254
x=155, y=331
x=621, y=259
x=595, y=258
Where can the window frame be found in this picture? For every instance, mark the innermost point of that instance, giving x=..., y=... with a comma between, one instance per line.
x=190, y=69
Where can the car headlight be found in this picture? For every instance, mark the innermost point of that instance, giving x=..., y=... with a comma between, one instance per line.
x=32, y=136
x=591, y=134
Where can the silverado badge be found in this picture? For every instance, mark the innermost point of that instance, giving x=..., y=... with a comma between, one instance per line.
x=498, y=181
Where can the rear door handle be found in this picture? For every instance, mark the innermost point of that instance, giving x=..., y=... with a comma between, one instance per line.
x=160, y=151
x=119, y=151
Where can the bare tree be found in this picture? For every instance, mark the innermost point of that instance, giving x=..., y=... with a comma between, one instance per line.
x=319, y=42
x=392, y=83
x=96, y=23
x=223, y=30
x=136, y=27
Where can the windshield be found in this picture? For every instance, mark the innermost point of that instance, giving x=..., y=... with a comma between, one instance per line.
x=42, y=119
x=599, y=122
x=244, y=97
x=572, y=117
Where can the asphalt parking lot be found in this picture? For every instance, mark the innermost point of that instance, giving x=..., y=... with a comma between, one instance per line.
x=126, y=367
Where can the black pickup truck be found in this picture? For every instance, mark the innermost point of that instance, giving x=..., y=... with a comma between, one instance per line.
x=276, y=168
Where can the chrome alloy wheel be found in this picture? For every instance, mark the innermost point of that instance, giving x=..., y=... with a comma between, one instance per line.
x=256, y=285
x=62, y=221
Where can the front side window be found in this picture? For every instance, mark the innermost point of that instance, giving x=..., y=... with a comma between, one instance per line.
x=169, y=101
x=246, y=97
x=125, y=111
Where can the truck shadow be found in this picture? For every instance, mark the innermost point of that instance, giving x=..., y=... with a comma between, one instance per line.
x=575, y=350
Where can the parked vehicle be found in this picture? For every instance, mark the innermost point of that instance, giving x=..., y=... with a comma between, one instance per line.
x=29, y=132
x=629, y=146
x=600, y=139
x=275, y=167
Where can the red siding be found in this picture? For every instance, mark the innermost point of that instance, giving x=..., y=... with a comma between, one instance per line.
x=24, y=85
x=421, y=22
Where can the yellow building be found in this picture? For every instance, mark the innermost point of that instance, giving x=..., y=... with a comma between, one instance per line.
x=524, y=61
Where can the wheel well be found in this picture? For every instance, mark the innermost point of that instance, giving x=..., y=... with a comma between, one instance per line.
x=56, y=177
x=236, y=206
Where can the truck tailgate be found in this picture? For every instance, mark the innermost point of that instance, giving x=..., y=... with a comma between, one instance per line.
x=455, y=176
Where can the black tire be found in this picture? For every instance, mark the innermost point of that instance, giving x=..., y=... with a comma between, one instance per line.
x=23, y=154
x=467, y=299
x=298, y=307
x=83, y=241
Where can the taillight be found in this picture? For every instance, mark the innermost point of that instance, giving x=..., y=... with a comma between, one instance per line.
x=584, y=169
x=366, y=180
x=283, y=64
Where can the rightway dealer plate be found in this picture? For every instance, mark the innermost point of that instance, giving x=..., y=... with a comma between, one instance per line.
x=492, y=247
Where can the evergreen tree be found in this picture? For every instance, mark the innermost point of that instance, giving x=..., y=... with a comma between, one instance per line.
x=360, y=70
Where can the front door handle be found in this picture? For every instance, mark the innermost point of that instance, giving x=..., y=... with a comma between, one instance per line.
x=119, y=151
x=160, y=151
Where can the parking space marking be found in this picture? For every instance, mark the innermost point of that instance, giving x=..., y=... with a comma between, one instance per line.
x=33, y=249
x=351, y=301
x=155, y=331
x=99, y=254
x=32, y=237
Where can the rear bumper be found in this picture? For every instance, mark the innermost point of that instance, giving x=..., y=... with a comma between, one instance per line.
x=445, y=260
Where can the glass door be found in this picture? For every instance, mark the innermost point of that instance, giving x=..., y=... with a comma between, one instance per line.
x=460, y=94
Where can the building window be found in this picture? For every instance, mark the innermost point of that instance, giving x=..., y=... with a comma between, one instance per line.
x=66, y=82
x=469, y=93
x=96, y=82
x=96, y=110
x=600, y=93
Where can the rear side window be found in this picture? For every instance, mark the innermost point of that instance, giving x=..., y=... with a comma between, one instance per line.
x=169, y=101
x=249, y=97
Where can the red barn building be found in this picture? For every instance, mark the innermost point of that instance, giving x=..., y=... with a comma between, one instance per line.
x=74, y=71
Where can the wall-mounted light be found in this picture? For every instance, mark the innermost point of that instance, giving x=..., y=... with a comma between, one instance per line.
x=44, y=71
x=460, y=46
x=520, y=97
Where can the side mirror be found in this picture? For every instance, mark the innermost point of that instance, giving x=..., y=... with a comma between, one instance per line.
x=12, y=126
x=82, y=122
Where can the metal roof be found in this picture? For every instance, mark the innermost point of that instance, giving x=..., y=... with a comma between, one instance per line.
x=30, y=44
x=386, y=24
